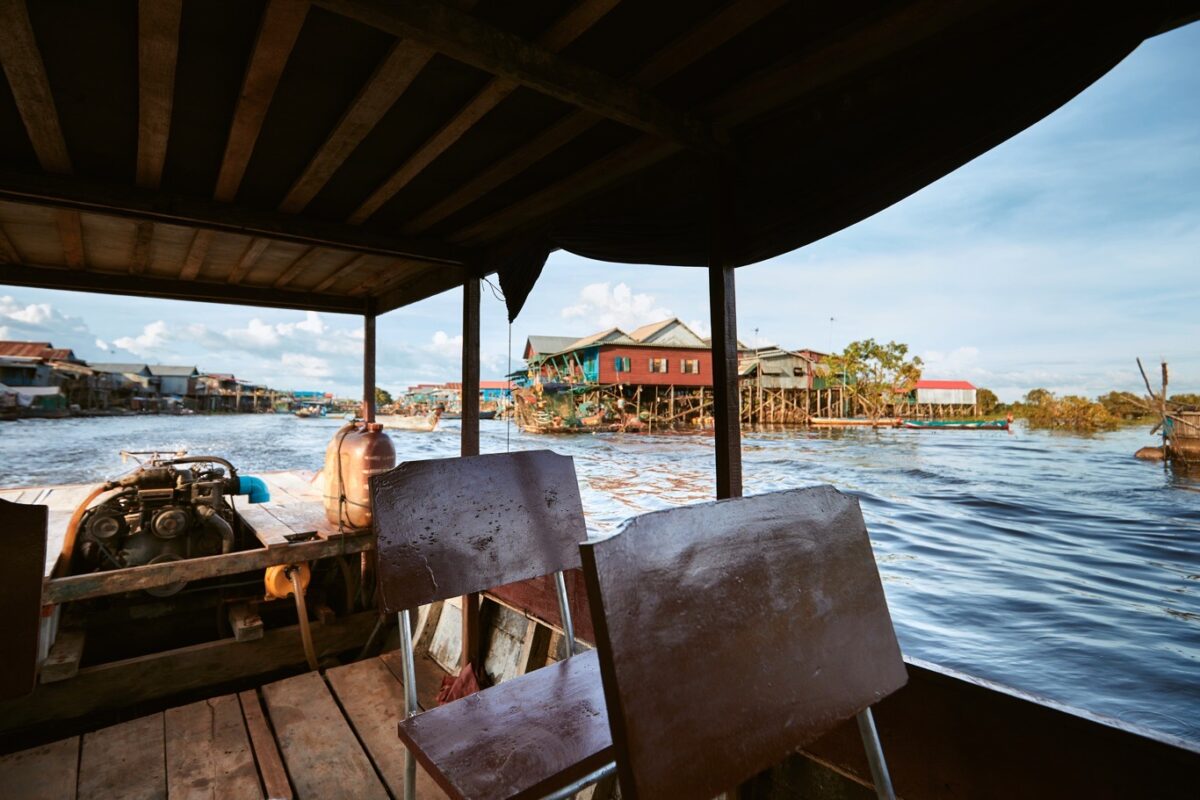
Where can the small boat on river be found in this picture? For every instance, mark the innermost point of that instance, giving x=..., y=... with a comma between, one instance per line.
x=400, y=422
x=956, y=424
x=854, y=422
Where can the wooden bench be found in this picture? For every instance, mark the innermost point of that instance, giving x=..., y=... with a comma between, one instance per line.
x=730, y=634
x=451, y=527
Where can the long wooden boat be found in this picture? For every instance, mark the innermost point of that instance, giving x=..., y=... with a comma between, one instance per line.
x=400, y=422
x=853, y=422
x=956, y=424
x=703, y=171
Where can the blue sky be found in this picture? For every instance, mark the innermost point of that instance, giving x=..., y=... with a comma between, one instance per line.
x=1053, y=260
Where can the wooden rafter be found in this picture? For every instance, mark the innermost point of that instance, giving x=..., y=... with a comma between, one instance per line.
x=303, y=262
x=277, y=33
x=389, y=81
x=172, y=289
x=703, y=39
x=839, y=57
x=140, y=257
x=349, y=268
x=158, y=51
x=248, y=259
x=197, y=252
x=8, y=252
x=566, y=30
x=121, y=200
x=465, y=38
x=26, y=73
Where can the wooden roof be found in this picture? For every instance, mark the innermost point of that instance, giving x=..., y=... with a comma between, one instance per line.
x=357, y=155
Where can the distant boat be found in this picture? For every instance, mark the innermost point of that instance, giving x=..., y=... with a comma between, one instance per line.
x=309, y=412
x=854, y=422
x=409, y=423
x=957, y=424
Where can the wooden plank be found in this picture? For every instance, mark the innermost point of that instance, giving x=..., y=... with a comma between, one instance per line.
x=62, y=662
x=369, y=388
x=349, y=268
x=197, y=252
x=70, y=233
x=266, y=752
x=389, y=81
x=49, y=772
x=566, y=30
x=101, y=584
x=208, y=754
x=305, y=516
x=158, y=51
x=248, y=259
x=323, y=757
x=129, y=201
x=467, y=39
x=373, y=701
x=298, y=266
x=294, y=484
x=126, y=761
x=277, y=33
x=429, y=676
x=120, y=684
x=245, y=622
x=140, y=256
x=8, y=251
x=26, y=73
x=698, y=42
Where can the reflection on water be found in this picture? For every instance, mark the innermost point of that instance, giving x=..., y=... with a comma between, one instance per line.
x=1056, y=564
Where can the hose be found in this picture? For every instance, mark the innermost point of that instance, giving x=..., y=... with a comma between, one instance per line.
x=68, y=545
x=216, y=522
x=310, y=653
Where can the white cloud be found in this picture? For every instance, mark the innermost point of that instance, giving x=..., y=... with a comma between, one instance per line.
x=153, y=338
x=103, y=345
x=306, y=365
x=443, y=344
x=608, y=306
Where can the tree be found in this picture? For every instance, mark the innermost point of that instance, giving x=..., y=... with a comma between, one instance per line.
x=1071, y=413
x=1124, y=405
x=382, y=397
x=987, y=400
x=874, y=375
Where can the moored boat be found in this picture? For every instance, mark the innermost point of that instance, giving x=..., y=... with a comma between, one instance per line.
x=853, y=422
x=399, y=422
x=957, y=424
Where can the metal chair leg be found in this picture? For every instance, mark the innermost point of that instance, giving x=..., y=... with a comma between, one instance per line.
x=410, y=700
x=879, y=770
x=564, y=610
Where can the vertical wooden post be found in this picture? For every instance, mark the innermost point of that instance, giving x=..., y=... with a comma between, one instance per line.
x=368, y=401
x=472, y=644
x=722, y=309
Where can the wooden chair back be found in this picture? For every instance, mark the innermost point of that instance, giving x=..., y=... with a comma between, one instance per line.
x=22, y=566
x=451, y=526
x=732, y=633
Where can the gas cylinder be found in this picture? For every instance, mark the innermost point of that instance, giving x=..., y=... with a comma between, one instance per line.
x=357, y=451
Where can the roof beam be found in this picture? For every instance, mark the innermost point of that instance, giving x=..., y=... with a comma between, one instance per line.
x=197, y=252
x=140, y=257
x=842, y=55
x=277, y=33
x=171, y=289
x=349, y=268
x=566, y=30
x=8, y=252
x=158, y=51
x=140, y=204
x=701, y=40
x=464, y=38
x=70, y=233
x=422, y=286
x=302, y=263
x=249, y=258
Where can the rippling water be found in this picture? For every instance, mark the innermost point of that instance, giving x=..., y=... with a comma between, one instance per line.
x=1056, y=564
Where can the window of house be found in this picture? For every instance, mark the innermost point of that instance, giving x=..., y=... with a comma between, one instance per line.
x=689, y=366
x=798, y=372
x=658, y=365
x=621, y=363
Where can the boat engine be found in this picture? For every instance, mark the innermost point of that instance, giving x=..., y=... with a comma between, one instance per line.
x=167, y=510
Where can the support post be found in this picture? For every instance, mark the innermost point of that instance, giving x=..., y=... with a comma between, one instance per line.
x=722, y=306
x=368, y=403
x=471, y=636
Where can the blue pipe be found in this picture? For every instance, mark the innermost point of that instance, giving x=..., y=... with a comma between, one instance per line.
x=256, y=488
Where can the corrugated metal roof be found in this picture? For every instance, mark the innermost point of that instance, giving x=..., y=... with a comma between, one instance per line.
x=540, y=345
x=117, y=367
x=171, y=371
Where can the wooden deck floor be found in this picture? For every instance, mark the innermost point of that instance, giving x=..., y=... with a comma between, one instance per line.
x=309, y=736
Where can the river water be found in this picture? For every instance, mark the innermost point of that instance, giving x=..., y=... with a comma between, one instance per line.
x=1056, y=564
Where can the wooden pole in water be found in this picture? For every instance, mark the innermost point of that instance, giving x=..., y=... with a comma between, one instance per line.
x=472, y=640
x=722, y=307
x=368, y=401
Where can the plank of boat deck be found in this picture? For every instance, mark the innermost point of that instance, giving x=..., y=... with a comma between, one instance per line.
x=269, y=531
x=125, y=761
x=48, y=772
x=373, y=700
x=266, y=751
x=294, y=484
x=323, y=757
x=208, y=754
